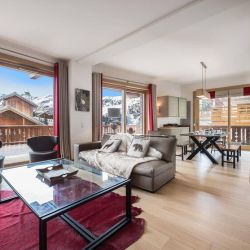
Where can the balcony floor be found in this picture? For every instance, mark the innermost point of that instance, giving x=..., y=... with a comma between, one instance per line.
x=15, y=153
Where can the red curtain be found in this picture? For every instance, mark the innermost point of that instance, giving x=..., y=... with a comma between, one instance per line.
x=150, y=108
x=246, y=91
x=56, y=103
x=212, y=94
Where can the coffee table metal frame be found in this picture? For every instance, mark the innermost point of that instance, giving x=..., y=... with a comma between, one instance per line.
x=94, y=241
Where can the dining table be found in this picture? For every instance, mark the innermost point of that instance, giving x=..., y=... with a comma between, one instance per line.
x=203, y=141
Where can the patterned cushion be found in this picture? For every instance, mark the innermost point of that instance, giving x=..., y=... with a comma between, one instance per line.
x=126, y=141
x=139, y=147
x=111, y=146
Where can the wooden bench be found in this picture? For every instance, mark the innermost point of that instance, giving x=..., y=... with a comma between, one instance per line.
x=230, y=151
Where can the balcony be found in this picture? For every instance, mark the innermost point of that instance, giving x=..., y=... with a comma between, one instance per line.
x=238, y=134
x=107, y=129
x=14, y=140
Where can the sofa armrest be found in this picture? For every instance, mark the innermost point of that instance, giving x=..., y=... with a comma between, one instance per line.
x=85, y=146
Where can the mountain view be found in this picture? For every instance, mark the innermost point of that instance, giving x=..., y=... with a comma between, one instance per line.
x=45, y=104
x=133, y=108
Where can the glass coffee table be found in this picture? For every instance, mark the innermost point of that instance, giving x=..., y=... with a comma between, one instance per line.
x=48, y=201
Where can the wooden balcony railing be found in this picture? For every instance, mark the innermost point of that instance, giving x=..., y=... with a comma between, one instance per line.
x=240, y=134
x=237, y=133
x=106, y=129
x=17, y=134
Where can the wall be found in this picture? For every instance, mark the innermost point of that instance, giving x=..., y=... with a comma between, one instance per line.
x=165, y=88
x=80, y=76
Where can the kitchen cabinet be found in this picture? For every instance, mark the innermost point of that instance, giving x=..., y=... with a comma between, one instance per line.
x=171, y=106
x=182, y=108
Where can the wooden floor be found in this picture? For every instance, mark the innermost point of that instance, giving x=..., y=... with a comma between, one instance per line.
x=205, y=207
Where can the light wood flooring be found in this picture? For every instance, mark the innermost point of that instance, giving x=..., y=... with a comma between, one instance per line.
x=205, y=207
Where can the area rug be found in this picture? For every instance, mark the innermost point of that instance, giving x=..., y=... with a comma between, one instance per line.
x=19, y=226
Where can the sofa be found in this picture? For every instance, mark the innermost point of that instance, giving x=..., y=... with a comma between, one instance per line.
x=150, y=175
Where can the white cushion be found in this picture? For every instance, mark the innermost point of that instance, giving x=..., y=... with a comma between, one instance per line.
x=152, y=152
x=110, y=146
x=139, y=147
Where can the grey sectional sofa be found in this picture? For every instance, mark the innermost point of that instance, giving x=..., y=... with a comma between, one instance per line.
x=151, y=175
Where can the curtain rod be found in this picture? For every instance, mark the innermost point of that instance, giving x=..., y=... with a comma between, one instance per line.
x=124, y=80
x=21, y=54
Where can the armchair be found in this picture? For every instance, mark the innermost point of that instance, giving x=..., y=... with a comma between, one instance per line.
x=42, y=148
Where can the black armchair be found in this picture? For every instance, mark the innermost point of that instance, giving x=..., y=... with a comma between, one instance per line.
x=43, y=148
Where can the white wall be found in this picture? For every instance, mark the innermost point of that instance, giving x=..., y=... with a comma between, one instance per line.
x=80, y=76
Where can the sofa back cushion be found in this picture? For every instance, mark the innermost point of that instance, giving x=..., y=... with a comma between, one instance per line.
x=138, y=147
x=126, y=140
x=110, y=146
x=166, y=145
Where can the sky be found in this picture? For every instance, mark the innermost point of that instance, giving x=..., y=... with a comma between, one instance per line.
x=111, y=92
x=12, y=80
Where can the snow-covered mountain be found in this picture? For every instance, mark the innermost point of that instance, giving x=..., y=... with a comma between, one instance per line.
x=45, y=104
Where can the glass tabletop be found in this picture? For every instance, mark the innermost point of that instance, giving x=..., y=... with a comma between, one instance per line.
x=44, y=198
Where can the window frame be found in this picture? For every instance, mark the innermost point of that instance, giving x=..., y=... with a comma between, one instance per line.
x=128, y=88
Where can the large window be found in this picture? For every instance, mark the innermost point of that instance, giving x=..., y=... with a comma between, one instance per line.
x=26, y=110
x=229, y=113
x=213, y=113
x=122, y=111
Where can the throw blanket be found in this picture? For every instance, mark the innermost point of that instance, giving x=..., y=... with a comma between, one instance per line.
x=117, y=163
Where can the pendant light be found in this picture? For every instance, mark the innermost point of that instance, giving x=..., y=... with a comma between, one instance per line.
x=202, y=93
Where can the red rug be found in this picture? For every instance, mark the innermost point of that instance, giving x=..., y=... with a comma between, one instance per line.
x=19, y=227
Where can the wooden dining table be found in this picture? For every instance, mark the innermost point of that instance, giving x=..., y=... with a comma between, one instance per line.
x=203, y=145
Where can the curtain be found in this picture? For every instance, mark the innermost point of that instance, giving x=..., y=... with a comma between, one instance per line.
x=96, y=106
x=56, y=106
x=152, y=107
x=61, y=125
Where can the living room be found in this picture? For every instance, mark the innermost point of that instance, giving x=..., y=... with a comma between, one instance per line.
x=167, y=81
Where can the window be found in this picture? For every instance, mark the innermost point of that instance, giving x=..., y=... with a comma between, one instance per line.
x=240, y=119
x=230, y=113
x=122, y=111
x=213, y=113
x=134, y=112
x=26, y=110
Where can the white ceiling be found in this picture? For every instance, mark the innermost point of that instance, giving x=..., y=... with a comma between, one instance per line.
x=221, y=41
x=73, y=29
x=163, y=39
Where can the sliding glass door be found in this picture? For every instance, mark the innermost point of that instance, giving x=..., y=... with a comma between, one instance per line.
x=240, y=119
x=134, y=112
x=122, y=111
x=230, y=114
x=213, y=113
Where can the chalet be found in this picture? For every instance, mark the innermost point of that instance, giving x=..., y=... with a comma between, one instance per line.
x=17, y=110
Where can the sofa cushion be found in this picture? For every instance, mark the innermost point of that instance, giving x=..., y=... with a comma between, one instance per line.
x=125, y=138
x=110, y=146
x=154, y=153
x=152, y=168
x=166, y=145
x=138, y=147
